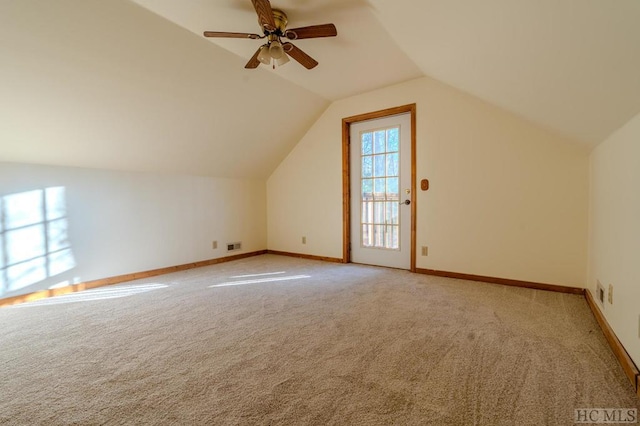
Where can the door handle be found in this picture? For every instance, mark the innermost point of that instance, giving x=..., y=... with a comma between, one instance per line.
x=407, y=202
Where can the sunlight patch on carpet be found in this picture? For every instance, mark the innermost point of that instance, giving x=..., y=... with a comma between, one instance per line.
x=259, y=275
x=92, y=295
x=260, y=281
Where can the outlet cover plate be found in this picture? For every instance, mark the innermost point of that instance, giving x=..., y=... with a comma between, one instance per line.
x=600, y=293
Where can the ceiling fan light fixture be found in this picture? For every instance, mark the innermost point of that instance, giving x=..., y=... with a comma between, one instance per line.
x=282, y=60
x=275, y=50
x=264, y=56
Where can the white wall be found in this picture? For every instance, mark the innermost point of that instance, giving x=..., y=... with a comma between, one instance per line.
x=124, y=222
x=614, y=231
x=508, y=199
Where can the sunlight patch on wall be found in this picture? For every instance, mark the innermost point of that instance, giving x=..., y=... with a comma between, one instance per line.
x=65, y=283
x=34, y=243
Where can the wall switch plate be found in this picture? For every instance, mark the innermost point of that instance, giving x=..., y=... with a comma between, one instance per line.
x=214, y=245
x=425, y=250
x=304, y=240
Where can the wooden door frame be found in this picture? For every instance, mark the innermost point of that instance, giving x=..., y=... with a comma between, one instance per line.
x=346, y=166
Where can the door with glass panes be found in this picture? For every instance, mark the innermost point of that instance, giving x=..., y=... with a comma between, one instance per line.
x=380, y=176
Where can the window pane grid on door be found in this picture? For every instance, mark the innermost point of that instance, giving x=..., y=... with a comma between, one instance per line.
x=379, y=189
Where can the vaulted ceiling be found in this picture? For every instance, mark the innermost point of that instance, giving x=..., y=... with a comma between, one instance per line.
x=135, y=86
x=569, y=65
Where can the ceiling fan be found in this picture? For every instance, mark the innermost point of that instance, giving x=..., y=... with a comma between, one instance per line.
x=274, y=28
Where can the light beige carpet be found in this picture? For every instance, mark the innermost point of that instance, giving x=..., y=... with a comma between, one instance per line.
x=339, y=344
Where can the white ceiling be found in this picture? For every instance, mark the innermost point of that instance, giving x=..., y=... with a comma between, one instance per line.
x=349, y=63
x=108, y=84
x=569, y=65
x=572, y=66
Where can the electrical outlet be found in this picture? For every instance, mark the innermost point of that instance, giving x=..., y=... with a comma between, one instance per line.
x=610, y=294
x=600, y=292
x=214, y=245
x=425, y=250
x=304, y=240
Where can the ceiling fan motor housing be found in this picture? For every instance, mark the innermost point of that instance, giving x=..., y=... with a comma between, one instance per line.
x=281, y=21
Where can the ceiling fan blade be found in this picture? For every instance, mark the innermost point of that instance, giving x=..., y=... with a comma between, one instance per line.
x=231, y=35
x=305, y=60
x=253, y=62
x=313, y=31
x=265, y=14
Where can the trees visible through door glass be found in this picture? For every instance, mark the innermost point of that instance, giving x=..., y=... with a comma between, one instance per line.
x=380, y=150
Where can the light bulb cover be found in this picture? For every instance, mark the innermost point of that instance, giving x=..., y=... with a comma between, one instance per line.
x=275, y=50
x=263, y=55
x=283, y=60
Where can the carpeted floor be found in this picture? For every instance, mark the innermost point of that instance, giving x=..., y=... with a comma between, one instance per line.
x=312, y=343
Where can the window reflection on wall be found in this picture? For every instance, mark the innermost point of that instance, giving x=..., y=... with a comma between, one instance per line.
x=34, y=243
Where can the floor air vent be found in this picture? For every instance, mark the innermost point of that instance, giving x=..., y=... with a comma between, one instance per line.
x=234, y=246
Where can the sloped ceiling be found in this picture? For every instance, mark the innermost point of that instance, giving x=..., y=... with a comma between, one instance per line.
x=135, y=86
x=107, y=84
x=571, y=66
